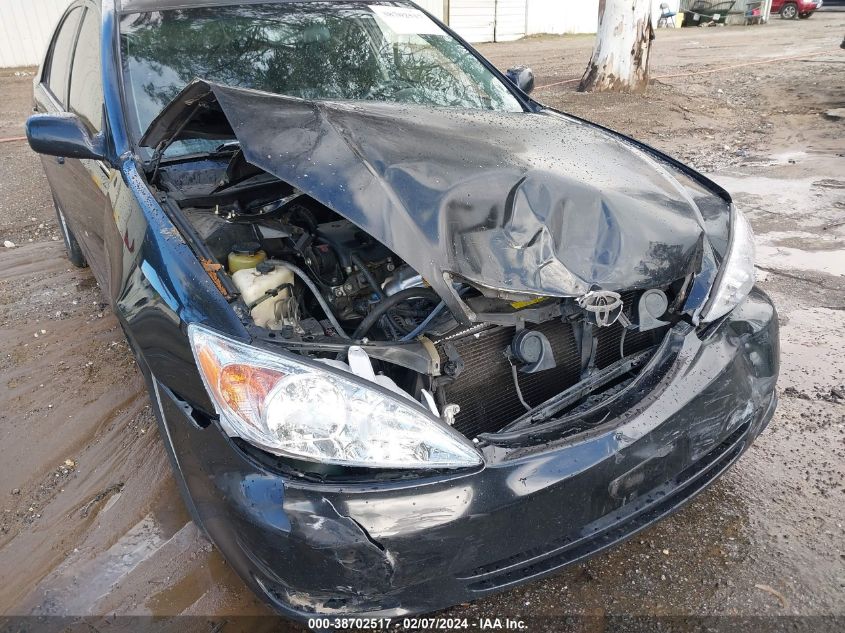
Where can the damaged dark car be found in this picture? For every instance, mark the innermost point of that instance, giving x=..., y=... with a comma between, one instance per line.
x=411, y=336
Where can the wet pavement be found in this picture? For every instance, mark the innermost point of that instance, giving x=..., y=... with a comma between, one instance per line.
x=91, y=521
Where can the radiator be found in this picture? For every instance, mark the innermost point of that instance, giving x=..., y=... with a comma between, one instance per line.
x=485, y=389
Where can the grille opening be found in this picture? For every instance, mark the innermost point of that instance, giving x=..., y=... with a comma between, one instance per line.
x=485, y=390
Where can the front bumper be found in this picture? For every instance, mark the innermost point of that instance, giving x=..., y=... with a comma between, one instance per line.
x=404, y=547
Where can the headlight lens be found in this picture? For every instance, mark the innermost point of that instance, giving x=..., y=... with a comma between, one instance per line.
x=736, y=276
x=301, y=410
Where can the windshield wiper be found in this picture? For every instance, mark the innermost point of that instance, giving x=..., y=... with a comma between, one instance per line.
x=165, y=143
x=228, y=146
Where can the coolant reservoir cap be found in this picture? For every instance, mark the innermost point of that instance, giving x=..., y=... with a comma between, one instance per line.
x=246, y=248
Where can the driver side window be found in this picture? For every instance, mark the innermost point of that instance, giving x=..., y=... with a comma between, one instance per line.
x=86, y=82
x=58, y=68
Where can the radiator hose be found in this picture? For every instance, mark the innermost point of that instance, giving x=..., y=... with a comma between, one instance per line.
x=315, y=291
x=390, y=302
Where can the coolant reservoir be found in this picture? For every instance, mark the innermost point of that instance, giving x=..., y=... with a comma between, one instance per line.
x=247, y=255
x=254, y=285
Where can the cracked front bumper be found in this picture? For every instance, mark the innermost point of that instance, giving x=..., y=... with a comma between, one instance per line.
x=404, y=547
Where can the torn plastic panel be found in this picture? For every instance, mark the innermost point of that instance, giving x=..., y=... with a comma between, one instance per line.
x=534, y=204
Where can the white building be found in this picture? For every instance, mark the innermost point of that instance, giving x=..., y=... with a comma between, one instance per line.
x=505, y=20
x=25, y=25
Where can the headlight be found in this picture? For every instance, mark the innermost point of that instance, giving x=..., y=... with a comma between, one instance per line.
x=736, y=275
x=306, y=411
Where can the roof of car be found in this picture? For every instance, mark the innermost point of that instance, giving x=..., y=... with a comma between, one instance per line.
x=136, y=6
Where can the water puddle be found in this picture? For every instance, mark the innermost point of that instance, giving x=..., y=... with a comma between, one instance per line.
x=810, y=351
x=796, y=216
x=800, y=239
x=831, y=262
x=780, y=195
x=76, y=587
x=189, y=590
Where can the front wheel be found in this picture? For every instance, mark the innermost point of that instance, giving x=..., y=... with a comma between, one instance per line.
x=789, y=11
x=74, y=252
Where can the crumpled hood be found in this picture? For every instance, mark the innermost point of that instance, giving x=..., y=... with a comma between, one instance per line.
x=527, y=203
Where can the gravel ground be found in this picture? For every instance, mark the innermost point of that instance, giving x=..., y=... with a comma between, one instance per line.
x=90, y=520
x=25, y=215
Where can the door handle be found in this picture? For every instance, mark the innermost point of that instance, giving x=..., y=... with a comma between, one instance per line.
x=60, y=160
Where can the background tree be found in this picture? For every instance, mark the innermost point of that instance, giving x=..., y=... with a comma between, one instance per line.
x=623, y=42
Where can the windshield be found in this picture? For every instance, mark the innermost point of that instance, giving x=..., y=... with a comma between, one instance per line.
x=388, y=51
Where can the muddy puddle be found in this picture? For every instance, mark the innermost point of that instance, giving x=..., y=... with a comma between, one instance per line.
x=798, y=219
x=90, y=518
x=830, y=262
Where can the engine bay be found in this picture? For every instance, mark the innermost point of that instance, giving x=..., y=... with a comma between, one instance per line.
x=254, y=217
x=315, y=281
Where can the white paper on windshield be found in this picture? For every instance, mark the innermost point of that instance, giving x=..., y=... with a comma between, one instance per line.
x=406, y=21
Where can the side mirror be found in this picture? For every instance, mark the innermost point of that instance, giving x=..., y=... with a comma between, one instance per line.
x=63, y=135
x=523, y=78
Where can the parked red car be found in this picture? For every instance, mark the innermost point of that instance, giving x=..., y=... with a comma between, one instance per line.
x=790, y=9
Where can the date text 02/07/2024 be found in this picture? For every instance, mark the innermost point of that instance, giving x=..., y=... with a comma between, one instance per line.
x=418, y=623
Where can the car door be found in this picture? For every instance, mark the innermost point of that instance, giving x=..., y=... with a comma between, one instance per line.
x=51, y=94
x=87, y=199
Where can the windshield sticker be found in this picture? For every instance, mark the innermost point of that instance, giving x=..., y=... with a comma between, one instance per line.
x=405, y=21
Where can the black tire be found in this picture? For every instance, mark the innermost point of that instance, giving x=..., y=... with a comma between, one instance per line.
x=789, y=11
x=74, y=253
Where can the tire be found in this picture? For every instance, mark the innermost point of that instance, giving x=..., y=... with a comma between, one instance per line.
x=789, y=11
x=74, y=252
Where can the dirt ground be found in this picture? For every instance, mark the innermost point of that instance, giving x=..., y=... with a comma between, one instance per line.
x=90, y=518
